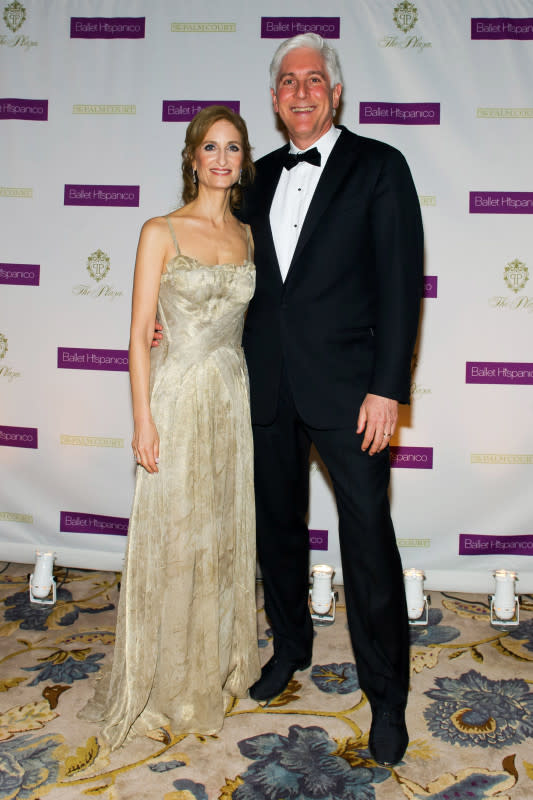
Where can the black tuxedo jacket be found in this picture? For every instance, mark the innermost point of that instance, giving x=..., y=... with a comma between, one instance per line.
x=344, y=321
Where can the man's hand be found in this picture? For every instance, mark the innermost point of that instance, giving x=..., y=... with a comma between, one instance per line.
x=377, y=418
x=157, y=334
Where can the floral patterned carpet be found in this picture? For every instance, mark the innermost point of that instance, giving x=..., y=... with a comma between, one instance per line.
x=470, y=712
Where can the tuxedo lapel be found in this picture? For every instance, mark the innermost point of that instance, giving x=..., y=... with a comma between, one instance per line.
x=339, y=163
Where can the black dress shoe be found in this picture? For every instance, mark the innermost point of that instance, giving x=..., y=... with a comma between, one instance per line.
x=275, y=676
x=388, y=738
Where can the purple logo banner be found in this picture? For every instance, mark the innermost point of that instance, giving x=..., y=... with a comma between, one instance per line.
x=20, y=274
x=501, y=202
x=318, y=540
x=185, y=110
x=411, y=457
x=77, y=194
x=17, y=108
x=510, y=372
x=284, y=27
x=88, y=358
x=107, y=27
x=430, y=285
x=472, y=544
x=77, y=522
x=373, y=113
x=501, y=28
x=11, y=436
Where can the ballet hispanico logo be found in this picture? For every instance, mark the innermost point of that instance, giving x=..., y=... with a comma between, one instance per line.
x=98, y=265
x=405, y=18
x=14, y=16
x=92, y=358
x=411, y=457
x=3, y=345
x=77, y=194
x=20, y=274
x=381, y=113
x=107, y=27
x=284, y=27
x=500, y=372
x=13, y=436
x=520, y=28
x=80, y=522
x=501, y=203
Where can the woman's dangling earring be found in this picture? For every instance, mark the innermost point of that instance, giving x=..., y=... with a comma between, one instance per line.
x=195, y=176
x=240, y=177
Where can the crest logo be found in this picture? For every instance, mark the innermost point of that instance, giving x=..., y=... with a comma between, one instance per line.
x=98, y=265
x=405, y=16
x=3, y=345
x=516, y=275
x=14, y=16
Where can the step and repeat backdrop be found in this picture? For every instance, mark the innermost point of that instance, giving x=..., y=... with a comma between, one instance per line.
x=94, y=100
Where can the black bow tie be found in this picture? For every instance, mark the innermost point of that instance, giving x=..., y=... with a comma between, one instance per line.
x=312, y=156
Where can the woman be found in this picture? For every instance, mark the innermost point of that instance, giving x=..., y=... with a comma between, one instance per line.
x=186, y=630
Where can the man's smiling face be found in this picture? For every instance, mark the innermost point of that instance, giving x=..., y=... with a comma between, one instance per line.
x=304, y=98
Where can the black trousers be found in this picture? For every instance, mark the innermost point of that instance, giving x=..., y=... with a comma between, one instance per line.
x=371, y=565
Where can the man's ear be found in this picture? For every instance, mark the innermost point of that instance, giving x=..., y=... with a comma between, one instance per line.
x=336, y=94
x=274, y=100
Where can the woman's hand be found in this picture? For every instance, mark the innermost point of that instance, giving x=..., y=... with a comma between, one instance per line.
x=145, y=444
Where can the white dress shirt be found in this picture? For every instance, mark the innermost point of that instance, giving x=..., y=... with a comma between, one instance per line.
x=293, y=196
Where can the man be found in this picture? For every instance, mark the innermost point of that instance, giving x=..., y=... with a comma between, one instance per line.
x=328, y=341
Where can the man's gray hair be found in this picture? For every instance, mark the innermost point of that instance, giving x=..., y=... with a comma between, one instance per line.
x=315, y=42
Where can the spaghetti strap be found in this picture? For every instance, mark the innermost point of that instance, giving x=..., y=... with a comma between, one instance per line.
x=172, y=233
x=249, y=242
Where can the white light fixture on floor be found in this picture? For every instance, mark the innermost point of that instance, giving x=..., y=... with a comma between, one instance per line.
x=504, y=604
x=42, y=581
x=322, y=596
x=417, y=602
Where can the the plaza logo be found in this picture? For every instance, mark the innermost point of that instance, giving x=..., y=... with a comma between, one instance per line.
x=7, y=373
x=98, y=266
x=14, y=17
x=405, y=18
x=515, y=277
x=417, y=389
